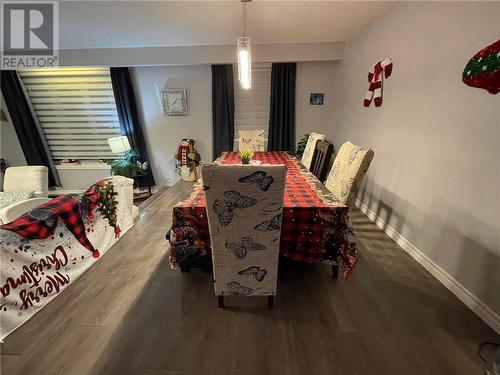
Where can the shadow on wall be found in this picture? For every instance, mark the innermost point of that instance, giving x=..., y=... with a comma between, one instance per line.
x=474, y=264
x=382, y=206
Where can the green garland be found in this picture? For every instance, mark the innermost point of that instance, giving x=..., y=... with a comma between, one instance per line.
x=108, y=204
x=485, y=64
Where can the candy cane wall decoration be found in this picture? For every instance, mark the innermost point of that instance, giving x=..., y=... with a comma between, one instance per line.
x=375, y=78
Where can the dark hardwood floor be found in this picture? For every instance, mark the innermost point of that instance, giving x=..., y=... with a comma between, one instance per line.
x=132, y=314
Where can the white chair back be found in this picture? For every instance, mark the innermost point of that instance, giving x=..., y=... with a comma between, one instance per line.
x=251, y=140
x=28, y=178
x=307, y=156
x=348, y=170
x=244, y=208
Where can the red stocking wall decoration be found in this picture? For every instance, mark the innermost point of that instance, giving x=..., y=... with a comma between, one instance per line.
x=483, y=70
x=376, y=80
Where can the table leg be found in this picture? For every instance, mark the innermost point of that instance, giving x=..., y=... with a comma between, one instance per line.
x=335, y=271
x=185, y=268
x=270, y=302
x=220, y=300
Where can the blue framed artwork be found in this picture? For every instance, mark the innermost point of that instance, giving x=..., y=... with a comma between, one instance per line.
x=316, y=98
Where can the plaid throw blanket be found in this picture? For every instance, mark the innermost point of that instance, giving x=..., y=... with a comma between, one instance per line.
x=45, y=250
x=41, y=222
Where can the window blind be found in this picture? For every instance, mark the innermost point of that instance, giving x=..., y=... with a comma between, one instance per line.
x=251, y=107
x=76, y=110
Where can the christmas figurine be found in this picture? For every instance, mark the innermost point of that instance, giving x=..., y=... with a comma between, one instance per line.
x=483, y=70
x=188, y=156
x=183, y=151
x=375, y=78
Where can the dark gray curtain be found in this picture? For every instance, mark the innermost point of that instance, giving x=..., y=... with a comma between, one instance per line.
x=130, y=122
x=282, y=114
x=29, y=133
x=222, y=108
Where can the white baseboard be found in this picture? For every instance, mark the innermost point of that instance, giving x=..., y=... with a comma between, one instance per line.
x=470, y=300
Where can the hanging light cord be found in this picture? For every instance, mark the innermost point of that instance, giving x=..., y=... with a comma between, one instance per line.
x=244, y=18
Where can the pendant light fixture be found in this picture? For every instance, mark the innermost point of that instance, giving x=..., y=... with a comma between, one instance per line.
x=244, y=53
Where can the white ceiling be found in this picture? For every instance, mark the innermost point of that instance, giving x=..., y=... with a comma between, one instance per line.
x=107, y=24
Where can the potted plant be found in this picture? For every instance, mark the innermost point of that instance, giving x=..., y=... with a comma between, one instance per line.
x=301, y=146
x=128, y=165
x=246, y=156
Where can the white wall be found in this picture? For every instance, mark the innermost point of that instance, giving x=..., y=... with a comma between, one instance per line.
x=435, y=176
x=163, y=133
x=314, y=77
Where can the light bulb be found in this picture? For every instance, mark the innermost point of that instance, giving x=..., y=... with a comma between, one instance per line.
x=244, y=63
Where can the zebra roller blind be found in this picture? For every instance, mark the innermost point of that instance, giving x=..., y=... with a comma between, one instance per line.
x=251, y=107
x=76, y=110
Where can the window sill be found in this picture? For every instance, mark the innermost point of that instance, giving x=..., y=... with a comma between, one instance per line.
x=84, y=165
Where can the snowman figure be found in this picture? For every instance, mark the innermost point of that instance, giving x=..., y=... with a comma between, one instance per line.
x=188, y=160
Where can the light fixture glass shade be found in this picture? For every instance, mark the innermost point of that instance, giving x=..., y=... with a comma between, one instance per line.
x=244, y=62
x=119, y=144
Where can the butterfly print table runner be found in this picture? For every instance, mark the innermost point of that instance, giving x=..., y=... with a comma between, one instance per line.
x=315, y=228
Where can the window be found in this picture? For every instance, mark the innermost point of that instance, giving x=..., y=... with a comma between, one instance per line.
x=252, y=106
x=76, y=110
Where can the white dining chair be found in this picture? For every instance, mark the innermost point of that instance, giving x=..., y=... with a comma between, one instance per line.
x=348, y=171
x=244, y=210
x=308, y=154
x=251, y=140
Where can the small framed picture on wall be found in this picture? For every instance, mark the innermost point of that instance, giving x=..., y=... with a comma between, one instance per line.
x=316, y=98
x=174, y=102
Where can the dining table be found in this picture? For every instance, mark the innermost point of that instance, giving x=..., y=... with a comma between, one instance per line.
x=316, y=226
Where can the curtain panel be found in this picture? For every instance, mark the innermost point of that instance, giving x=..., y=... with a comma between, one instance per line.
x=222, y=108
x=28, y=130
x=282, y=110
x=130, y=122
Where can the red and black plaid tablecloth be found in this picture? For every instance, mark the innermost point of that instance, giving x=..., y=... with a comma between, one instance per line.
x=315, y=228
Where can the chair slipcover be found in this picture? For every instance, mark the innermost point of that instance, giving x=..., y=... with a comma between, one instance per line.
x=348, y=170
x=307, y=156
x=244, y=209
x=251, y=140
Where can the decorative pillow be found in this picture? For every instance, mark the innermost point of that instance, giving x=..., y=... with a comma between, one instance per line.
x=11, y=197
